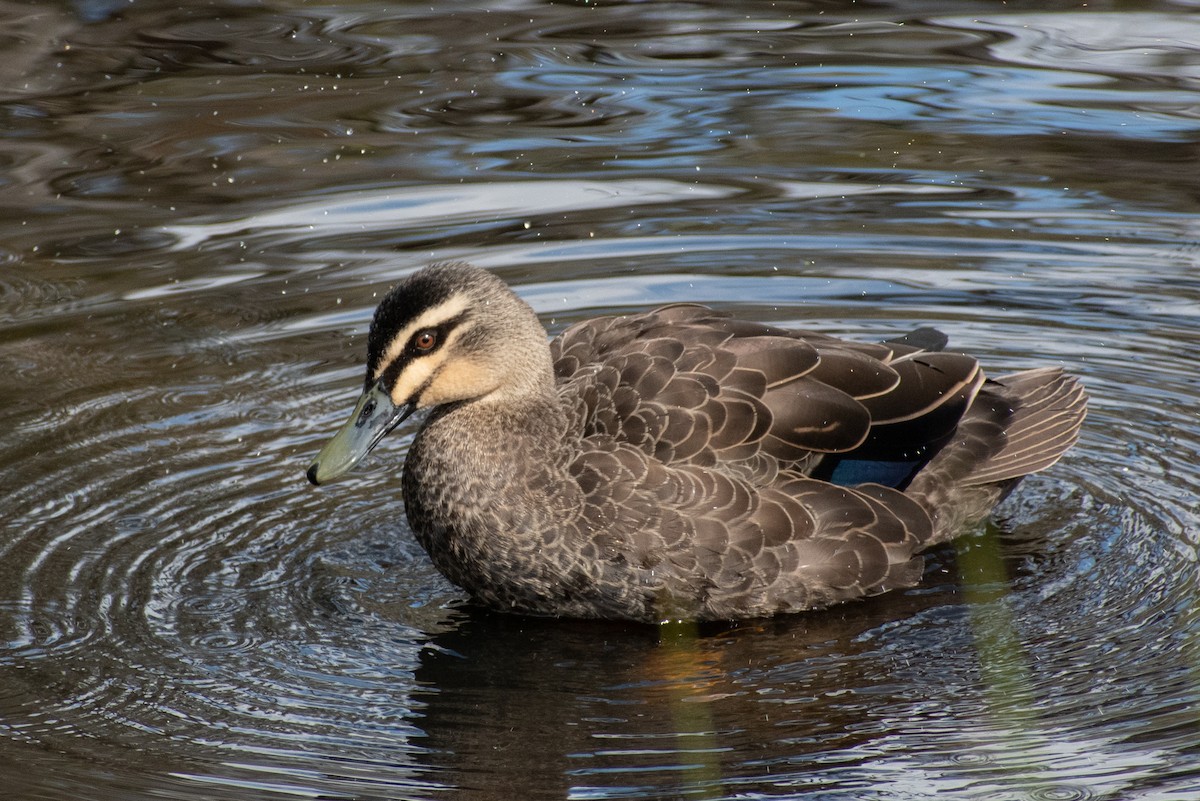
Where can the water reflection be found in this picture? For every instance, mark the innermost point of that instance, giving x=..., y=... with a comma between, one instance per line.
x=203, y=205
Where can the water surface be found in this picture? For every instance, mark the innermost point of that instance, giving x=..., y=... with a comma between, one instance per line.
x=202, y=205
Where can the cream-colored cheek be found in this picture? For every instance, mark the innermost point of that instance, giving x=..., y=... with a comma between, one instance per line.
x=459, y=380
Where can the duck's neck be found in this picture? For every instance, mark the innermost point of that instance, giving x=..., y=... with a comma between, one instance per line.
x=484, y=481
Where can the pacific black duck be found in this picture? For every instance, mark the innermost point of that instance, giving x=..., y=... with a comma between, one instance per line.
x=680, y=463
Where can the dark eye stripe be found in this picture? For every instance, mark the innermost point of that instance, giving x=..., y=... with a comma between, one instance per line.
x=410, y=353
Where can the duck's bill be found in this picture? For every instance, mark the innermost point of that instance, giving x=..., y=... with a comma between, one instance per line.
x=373, y=417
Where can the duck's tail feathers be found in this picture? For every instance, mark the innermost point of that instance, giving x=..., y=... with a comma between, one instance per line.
x=1017, y=425
x=1048, y=409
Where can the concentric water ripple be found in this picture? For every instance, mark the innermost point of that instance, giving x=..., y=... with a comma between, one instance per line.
x=192, y=595
x=203, y=207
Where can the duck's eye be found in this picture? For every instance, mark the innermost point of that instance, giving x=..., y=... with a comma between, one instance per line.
x=424, y=341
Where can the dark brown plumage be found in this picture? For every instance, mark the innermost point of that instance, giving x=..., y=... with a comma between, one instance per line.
x=681, y=463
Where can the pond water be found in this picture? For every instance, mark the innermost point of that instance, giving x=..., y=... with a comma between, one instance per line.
x=202, y=204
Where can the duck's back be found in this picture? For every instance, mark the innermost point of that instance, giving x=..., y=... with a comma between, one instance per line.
x=688, y=385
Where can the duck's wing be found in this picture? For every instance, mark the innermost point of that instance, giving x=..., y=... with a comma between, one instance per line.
x=686, y=384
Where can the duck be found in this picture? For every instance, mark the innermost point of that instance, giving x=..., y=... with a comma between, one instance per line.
x=681, y=464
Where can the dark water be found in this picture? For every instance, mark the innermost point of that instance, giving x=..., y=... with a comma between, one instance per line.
x=203, y=202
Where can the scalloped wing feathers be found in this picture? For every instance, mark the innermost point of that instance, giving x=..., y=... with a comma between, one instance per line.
x=686, y=384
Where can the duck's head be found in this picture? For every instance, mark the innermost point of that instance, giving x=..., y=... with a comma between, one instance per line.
x=449, y=332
